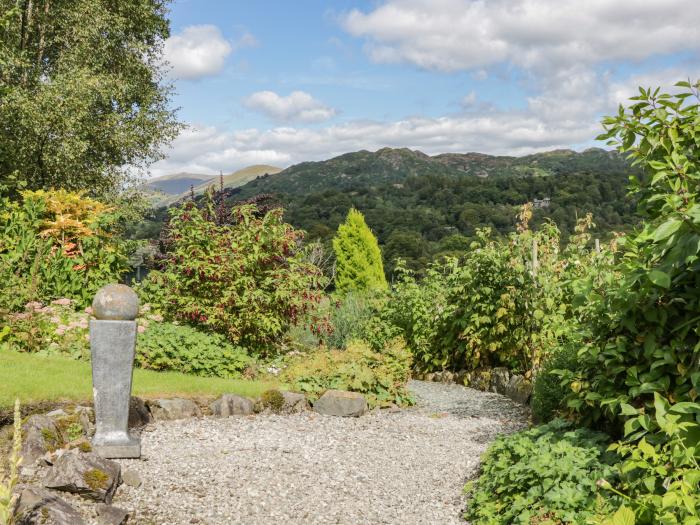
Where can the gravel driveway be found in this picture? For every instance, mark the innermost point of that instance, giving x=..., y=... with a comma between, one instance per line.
x=406, y=467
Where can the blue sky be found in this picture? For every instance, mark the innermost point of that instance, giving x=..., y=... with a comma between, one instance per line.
x=281, y=82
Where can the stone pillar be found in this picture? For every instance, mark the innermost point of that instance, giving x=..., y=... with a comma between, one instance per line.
x=113, y=345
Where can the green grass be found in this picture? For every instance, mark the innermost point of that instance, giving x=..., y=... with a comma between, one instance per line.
x=35, y=379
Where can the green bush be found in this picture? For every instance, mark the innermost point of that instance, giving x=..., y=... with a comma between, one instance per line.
x=381, y=376
x=358, y=257
x=181, y=348
x=548, y=394
x=241, y=275
x=56, y=244
x=547, y=474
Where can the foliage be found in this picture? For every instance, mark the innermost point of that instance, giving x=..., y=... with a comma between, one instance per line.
x=548, y=393
x=182, y=348
x=272, y=400
x=358, y=257
x=82, y=91
x=380, y=376
x=8, y=480
x=547, y=474
x=56, y=244
x=639, y=370
x=239, y=273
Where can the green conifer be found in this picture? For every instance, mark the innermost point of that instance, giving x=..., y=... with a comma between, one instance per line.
x=358, y=257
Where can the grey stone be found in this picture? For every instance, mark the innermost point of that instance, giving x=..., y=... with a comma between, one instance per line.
x=518, y=389
x=40, y=435
x=231, y=405
x=39, y=506
x=460, y=376
x=131, y=478
x=139, y=416
x=115, y=302
x=341, y=403
x=89, y=475
x=168, y=409
x=500, y=377
x=293, y=403
x=86, y=416
x=113, y=346
x=447, y=377
x=59, y=412
x=109, y=515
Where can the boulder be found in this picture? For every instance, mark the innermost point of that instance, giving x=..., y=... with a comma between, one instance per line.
x=86, y=417
x=231, y=405
x=40, y=506
x=168, y=409
x=500, y=377
x=109, y=515
x=294, y=403
x=518, y=389
x=40, y=435
x=341, y=403
x=89, y=475
x=59, y=412
x=480, y=380
x=139, y=416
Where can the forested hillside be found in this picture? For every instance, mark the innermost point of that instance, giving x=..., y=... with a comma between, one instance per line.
x=421, y=207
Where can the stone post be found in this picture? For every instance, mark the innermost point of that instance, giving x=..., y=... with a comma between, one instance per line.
x=113, y=345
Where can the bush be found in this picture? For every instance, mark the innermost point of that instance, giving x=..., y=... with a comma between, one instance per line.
x=56, y=244
x=181, y=348
x=380, y=376
x=548, y=394
x=244, y=278
x=359, y=265
x=547, y=474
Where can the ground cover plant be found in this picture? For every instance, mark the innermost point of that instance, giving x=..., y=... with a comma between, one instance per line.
x=547, y=474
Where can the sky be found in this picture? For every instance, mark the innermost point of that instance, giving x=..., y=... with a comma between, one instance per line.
x=281, y=82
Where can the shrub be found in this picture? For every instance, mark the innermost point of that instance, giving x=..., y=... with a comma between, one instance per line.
x=244, y=278
x=358, y=257
x=547, y=474
x=10, y=477
x=380, y=376
x=182, y=348
x=272, y=400
x=56, y=244
x=548, y=394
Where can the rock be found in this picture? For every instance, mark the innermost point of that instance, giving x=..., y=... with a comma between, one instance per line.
x=341, y=403
x=499, y=380
x=168, y=409
x=518, y=389
x=139, y=416
x=109, y=515
x=131, y=478
x=57, y=413
x=88, y=475
x=231, y=405
x=40, y=435
x=480, y=380
x=447, y=377
x=86, y=417
x=460, y=377
x=40, y=506
x=429, y=376
x=115, y=302
x=293, y=403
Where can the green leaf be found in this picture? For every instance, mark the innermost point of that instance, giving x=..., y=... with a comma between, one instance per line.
x=667, y=229
x=628, y=410
x=623, y=516
x=660, y=278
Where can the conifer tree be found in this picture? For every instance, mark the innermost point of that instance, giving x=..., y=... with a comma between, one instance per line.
x=359, y=260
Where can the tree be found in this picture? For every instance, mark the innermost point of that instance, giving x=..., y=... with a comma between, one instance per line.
x=82, y=94
x=359, y=259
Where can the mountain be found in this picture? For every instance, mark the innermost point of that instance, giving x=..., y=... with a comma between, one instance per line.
x=421, y=207
x=176, y=183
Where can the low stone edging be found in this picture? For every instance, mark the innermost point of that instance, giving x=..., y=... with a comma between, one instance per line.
x=499, y=380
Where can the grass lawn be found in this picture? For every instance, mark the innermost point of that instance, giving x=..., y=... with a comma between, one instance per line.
x=35, y=379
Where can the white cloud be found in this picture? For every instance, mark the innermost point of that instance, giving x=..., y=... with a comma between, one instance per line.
x=198, y=51
x=451, y=35
x=297, y=106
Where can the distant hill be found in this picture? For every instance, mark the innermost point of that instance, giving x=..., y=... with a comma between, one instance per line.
x=421, y=207
x=176, y=183
x=201, y=182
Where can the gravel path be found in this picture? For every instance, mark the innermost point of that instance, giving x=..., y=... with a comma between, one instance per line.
x=406, y=467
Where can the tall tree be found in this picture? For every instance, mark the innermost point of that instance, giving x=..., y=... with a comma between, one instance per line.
x=358, y=257
x=82, y=91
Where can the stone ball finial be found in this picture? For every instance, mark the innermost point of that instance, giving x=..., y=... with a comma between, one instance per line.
x=115, y=302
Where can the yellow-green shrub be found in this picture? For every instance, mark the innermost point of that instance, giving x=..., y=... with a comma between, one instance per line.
x=380, y=376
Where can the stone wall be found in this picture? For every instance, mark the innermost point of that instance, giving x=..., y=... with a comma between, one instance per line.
x=499, y=380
